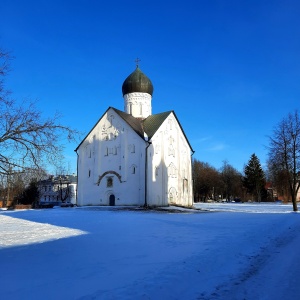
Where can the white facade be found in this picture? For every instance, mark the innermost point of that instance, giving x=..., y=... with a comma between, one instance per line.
x=169, y=169
x=58, y=189
x=111, y=161
x=134, y=157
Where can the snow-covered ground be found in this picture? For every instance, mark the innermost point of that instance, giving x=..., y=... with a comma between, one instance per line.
x=230, y=251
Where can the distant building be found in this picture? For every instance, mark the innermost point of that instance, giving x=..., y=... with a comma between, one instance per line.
x=281, y=194
x=56, y=190
x=134, y=157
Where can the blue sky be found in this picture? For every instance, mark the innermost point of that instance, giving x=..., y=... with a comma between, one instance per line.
x=229, y=69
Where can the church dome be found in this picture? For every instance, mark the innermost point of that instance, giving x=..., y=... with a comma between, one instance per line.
x=137, y=82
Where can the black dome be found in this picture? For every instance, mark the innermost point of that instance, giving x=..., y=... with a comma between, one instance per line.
x=137, y=82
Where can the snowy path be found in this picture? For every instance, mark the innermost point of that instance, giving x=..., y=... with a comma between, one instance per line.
x=100, y=254
x=272, y=272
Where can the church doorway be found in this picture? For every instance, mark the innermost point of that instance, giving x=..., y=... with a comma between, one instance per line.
x=112, y=200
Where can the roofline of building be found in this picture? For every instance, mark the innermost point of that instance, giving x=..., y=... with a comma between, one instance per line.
x=141, y=136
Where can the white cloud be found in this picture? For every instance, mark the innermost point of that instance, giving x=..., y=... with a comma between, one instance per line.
x=217, y=147
x=201, y=140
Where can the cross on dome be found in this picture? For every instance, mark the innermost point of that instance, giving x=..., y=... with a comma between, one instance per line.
x=137, y=60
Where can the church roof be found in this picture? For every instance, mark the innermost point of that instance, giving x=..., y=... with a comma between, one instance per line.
x=153, y=122
x=150, y=125
x=133, y=122
x=137, y=81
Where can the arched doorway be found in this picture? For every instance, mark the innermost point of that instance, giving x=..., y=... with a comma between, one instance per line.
x=112, y=200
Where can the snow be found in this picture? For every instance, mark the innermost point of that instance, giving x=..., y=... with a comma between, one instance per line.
x=216, y=251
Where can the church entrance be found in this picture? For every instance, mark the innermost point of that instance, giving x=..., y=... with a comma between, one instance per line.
x=112, y=200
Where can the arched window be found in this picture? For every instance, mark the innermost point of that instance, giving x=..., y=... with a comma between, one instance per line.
x=156, y=171
x=109, y=182
x=133, y=170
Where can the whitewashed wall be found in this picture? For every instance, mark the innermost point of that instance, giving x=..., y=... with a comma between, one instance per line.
x=111, y=150
x=169, y=172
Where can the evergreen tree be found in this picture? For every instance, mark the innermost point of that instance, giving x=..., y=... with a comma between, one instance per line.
x=254, y=179
x=30, y=194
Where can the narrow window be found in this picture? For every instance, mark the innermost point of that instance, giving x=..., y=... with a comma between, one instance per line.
x=89, y=173
x=132, y=148
x=109, y=182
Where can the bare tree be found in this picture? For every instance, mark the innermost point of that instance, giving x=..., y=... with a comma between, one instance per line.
x=232, y=181
x=63, y=187
x=26, y=138
x=280, y=182
x=284, y=152
x=206, y=181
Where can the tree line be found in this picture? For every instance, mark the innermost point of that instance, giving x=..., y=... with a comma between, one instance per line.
x=280, y=178
x=228, y=184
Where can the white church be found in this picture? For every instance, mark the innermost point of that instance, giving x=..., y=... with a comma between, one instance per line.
x=134, y=157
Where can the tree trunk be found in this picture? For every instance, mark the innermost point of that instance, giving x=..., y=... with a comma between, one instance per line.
x=294, y=200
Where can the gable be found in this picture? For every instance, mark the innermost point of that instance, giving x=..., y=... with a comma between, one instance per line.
x=133, y=123
x=150, y=125
x=154, y=122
